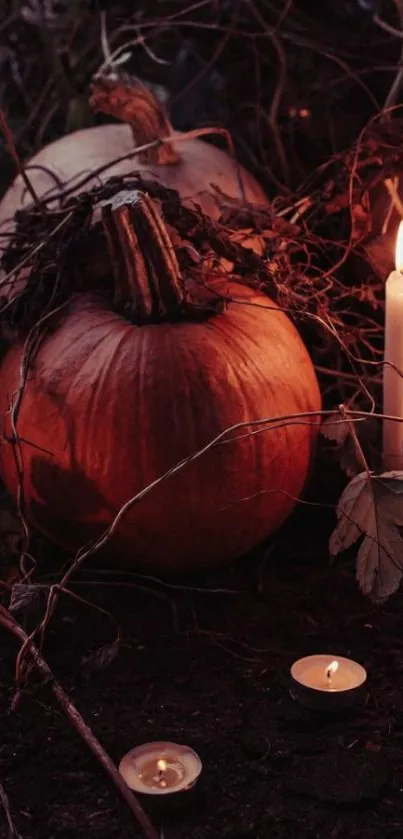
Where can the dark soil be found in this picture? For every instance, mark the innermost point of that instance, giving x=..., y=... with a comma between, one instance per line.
x=205, y=661
x=210, y=669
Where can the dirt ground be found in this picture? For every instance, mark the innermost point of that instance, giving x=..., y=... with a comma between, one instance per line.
x=206, y=662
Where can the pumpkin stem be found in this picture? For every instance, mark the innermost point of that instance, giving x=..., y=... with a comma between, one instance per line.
x=133, y=103
x=148, y=283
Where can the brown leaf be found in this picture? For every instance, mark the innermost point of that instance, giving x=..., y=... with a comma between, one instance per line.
x=371, y=508
x=336, y=429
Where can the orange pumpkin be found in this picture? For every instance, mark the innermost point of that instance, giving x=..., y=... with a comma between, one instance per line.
x=110, y=405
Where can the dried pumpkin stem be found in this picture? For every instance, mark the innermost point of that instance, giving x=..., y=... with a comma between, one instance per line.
x=147, y=278
x=131, y=102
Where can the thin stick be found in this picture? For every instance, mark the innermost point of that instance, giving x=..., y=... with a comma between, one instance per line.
x=394, y=91
x=396, y=200
x=348, y=416
x=340, y=374
x=106, y=51
x=14, y=154
x=77, y=721
x=395, y=183
x=387, y=27
x=35, y=250
x=12, y=832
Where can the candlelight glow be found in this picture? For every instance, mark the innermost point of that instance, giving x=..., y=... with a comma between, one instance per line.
x=331, y=669
x=145, y=770
x=399, y=249
x=161, y=765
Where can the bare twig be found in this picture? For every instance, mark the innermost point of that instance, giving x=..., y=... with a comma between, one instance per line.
x=5, y=280
x=78, y=723
x=387, y=27
x=32, y=343
x=13, y=151
x=395, y=89
x=12, y=832
x=348, y=416
x=395, y=197
x=278, y=92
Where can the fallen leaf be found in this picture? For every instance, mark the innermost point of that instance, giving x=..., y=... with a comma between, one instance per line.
x=371, y=508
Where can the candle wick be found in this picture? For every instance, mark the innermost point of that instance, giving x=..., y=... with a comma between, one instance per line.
x=160, y=776
x=330, y=670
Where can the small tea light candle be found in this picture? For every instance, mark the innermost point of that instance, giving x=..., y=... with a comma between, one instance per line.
x=393, y=367
x=160, y=768
x=327, y=682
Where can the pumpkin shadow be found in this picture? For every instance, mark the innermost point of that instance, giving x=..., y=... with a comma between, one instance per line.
x=68, y=506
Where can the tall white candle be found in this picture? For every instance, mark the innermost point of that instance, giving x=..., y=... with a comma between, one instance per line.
x=393, y=367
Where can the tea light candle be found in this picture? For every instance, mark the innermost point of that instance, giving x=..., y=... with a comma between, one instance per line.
x=393, y=355
x=160, y=768
x=327, y=682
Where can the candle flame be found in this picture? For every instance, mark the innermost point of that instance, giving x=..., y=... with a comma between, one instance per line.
x=161, y=765
x=399, y=248
x=331, y=669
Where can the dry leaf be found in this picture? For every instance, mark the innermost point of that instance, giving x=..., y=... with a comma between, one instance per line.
x=372, y=507
x=336, y=429
x=379, y=252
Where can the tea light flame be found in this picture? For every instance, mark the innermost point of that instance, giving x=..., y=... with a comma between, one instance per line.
x=161, y=766
x=399, y=249
x=331, y=669
x=318, y=681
